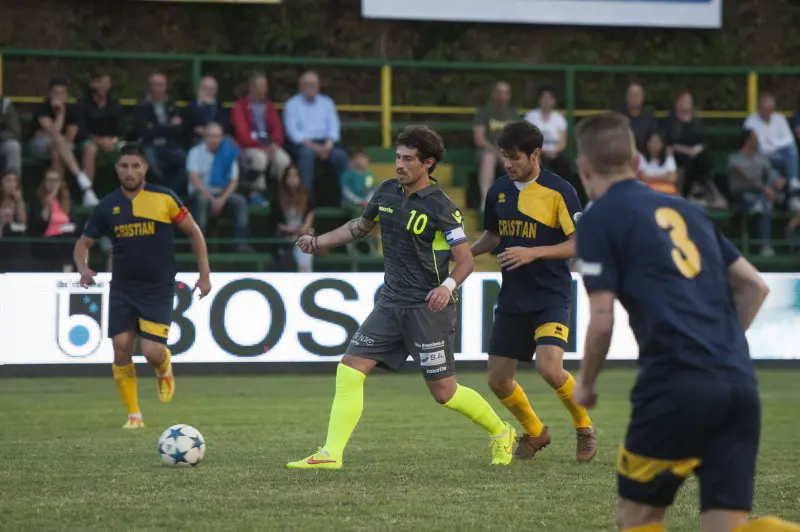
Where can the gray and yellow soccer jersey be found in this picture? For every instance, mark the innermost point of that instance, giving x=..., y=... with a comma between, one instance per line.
x=417, y=233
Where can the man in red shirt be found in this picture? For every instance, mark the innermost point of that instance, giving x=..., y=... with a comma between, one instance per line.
x=258, y=130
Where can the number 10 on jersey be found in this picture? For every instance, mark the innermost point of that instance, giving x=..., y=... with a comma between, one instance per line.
x=417, y=223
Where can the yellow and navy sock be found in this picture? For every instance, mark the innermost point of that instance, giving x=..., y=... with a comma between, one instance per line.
x=769, y=524
x=470, y=403
x=346, y=410
x=163, y=369
x=518, y=404
x=652, y=527
x=579, y=414
x=125, y=381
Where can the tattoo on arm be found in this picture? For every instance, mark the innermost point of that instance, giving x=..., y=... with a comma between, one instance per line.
x=360, y=227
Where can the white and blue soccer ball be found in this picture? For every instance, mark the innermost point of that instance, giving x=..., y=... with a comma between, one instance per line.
x=181, y=446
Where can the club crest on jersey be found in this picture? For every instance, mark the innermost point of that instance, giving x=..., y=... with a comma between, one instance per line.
x=115, y=210
x=501, y=198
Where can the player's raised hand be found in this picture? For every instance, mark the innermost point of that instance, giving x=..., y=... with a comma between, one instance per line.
x=517, y=256
x=203, y=285
x=438, y=298
x=584, y=396
x=87, y=277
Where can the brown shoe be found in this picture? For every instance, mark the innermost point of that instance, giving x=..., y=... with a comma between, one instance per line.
x=587, y=444
x=528, y=446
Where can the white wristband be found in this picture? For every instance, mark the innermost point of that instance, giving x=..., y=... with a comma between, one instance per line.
x=450, y=284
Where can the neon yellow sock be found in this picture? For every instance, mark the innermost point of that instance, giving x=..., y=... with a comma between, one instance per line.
x=346, y=410
x=470, y=403
x=518, y=404
x=652, y=527
x=769, y=524
x=163, y=369
x=579, y=414
x=125, y=381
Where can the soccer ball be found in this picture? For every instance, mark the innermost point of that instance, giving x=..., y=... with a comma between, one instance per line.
x=181, y=446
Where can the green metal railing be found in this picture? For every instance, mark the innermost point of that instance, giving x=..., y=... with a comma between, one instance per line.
x=387, y=110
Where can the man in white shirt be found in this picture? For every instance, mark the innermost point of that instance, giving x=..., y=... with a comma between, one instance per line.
x=553, y=126
x=313, y=127
x=776, y=141
x=212, y=184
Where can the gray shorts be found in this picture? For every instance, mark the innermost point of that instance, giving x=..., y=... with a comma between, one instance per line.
x=390, y=334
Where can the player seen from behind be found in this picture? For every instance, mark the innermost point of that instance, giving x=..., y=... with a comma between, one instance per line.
x=421, y=230
x=690, y=297
x=531, y=214
x=138, y=218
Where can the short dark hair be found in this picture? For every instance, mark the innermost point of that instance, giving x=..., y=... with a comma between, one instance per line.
x=520, y=136
x=744, y=137
x=131, y=148
x=606, y=141
x=426, y=141
x=547, y=88
x=57, y=82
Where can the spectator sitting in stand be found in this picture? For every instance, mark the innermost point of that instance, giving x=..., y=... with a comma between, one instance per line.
x=13, y=215
x=553, y=126
x=776, y=142
x=258, y=130
x=312, y=124
x=685, y=137
x=159, y=128
x=203, y=110
x=100, y=117
x=50, y=217
x=294, y=215
x=486, y=125
x=358, y=183
x=358, y=186
x=657, y=168
x=57, y=127
x=10, y=136
x=214, y=176
x=642, y=120
x=755, y=186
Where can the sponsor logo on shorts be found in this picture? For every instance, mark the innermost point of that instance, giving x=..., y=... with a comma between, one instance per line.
x=362, y=339
x=433, y=358
x=436, y=370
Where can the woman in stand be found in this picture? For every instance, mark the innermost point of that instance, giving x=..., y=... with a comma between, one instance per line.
x=657, y=168
x=50, y=218
x=295, y=214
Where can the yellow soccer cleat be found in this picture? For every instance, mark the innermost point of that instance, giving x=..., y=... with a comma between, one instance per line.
x=166, y=387
x=503, y=446
x=319, y=460
x=134, y=422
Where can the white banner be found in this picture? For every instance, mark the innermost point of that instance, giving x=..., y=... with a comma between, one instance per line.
x=277, y=317
x=631, y=13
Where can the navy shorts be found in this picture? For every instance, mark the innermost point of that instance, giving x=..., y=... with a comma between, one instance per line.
x=390, y=334
x=707, y=427
x=150, y=315
x=517, y=335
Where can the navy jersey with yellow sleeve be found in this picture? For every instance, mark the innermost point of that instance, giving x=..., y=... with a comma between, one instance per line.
x=667, y=264
x=142, y=233
x=543, y=213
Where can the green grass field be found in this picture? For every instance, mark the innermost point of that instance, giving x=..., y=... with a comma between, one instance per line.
x=65, y=463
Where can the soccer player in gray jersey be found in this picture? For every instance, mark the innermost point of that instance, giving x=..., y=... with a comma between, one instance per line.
x=421, y=231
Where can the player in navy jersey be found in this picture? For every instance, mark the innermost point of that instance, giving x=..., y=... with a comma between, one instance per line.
x=139, y=219
x=531, y=214
x=690, y=297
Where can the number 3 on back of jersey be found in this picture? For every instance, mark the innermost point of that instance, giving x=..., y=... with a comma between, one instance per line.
x=684, y=252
